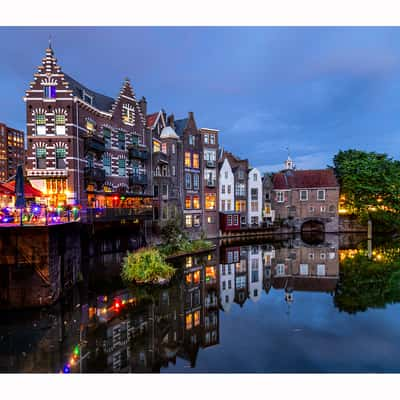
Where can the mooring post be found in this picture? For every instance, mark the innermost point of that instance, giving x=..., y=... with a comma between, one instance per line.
x=369, y=238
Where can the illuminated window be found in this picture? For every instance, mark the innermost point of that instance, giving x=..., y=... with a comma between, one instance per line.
x=188, y=221
x=90, y=127
x=40, y=120
x=127, y=114
x=189, y=321
x=189, y=279
x=211, y=200
x=196, y=318
x=60, y=124
x=196, y=277
x=188, y=162
x=188, y=202
x=211, y=273
x=240, y=205
x=164, y=148
x=189, y=262
x=156, y=147
x=49, y=92
x=196, y=202
x=196, y=163
x=210, y=220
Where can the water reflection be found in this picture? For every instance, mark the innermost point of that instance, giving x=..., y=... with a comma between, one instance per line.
x=157, y=329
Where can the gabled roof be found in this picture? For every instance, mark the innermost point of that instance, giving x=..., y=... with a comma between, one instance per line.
x=180, y=125
x=315, y=178
x=100, y=101
x=151, y=119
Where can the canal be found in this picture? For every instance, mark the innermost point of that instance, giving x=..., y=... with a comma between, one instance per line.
x=281, y=305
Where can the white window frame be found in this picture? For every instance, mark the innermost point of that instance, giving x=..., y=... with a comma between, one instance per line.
x=321, y=269
x=280, y=197
x=302, y=191
x=280, y=269
x=324, y=192
x=303, y=269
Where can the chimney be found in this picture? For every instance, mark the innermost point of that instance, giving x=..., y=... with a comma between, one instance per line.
x=191, y=115
x=171, y=121
x=143, y=105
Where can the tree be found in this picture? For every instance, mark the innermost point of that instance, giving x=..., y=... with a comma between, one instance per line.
x=172, y=233
x=370, y=185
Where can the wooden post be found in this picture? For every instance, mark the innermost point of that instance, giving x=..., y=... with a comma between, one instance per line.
x=370, y=238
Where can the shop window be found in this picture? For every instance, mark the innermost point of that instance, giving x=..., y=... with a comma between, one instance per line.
x=196, y=318
x=196, y=277
x=188, y=321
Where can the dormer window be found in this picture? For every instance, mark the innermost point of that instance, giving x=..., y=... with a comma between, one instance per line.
x=49, y=92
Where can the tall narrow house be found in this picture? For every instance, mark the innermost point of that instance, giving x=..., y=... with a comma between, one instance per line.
x=85, y=147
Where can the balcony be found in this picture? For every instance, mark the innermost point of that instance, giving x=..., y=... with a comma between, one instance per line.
x=211, y=164
x=134, y=152
x=95, y=175
x=160, y=157
x=95, y=143
x=137, y=179
x=211, y=183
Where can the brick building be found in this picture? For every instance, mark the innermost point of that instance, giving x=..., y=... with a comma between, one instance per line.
x=12, y=151
x=84, y=147
x=306, y=199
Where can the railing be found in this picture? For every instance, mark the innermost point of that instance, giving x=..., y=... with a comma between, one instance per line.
x=211, y=183
x=95, y=174
x=95, y=143
x=136, y=153
x=211, y=163
x=160, y=156
x=137, y=179
x=115, y=214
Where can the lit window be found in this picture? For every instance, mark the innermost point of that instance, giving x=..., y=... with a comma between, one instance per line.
x=164, y=148
x=90, y=127
x=196, y=318
x=127, y=114
x=188, y=321
x=156, y=147
x=303, y=195
x=196, y=202
x=210, y=220
x=196, y=277
x=60, y=124
x=189, y=279
x=49, y=92
x=188, y=162
x=211, y=200
x=321, y=194
x=196, y=161
x=189, y=262
x=188, y=221
x=188, y=202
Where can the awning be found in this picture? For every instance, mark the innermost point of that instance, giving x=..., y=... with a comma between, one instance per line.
x=5, y=191
x=29, y=190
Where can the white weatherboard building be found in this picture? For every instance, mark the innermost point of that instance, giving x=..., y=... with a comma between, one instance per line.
x=226, y=188
x=227, y=285
x=255, y=271
x=254, y=200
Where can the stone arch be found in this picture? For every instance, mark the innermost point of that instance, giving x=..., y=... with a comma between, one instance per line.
x=313, y=225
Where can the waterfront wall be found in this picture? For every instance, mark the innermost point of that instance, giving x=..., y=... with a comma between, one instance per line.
x=349, y=224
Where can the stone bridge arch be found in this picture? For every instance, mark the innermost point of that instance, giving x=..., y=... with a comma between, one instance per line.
x=313, y=225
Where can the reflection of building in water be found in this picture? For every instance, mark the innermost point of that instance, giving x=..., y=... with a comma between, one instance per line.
x=301, y=267
x=229, y=260
x=241, y=275
x=255, y=271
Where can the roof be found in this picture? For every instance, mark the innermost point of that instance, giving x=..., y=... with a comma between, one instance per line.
x=180, y=125
x=291, y=179
x=168, y=133
x=151, y=119
x=100, y=101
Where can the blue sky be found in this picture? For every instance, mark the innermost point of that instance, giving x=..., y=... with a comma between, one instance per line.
x=314, y=90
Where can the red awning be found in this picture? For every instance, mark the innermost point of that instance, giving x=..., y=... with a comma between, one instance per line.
x=5, y=191
x=29, y=190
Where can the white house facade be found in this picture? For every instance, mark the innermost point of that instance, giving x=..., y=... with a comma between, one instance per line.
x=254, y=200
x=226, y=187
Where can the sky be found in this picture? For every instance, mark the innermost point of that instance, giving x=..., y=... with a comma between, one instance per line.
x=312, y=90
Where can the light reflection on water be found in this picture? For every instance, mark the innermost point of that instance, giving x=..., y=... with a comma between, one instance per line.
x=256, y=307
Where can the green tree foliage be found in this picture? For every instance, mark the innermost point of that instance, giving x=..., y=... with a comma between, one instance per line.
x=146, y=266
x=370, y=183
x=367, y=284
x=172, y=233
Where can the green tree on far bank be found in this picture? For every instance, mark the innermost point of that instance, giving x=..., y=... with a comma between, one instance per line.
x=370, y=185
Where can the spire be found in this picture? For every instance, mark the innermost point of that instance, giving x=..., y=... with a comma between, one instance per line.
x=289, y=162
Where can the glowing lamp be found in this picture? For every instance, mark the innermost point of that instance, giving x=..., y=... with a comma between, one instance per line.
x=117, y=304
x=76, y=350
x=67, y=368
x=115, y=197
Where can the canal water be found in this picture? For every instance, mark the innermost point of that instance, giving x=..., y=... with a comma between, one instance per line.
x=269, y=306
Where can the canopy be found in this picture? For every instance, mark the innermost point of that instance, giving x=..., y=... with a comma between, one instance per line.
x=5, y=191
x=29, y=190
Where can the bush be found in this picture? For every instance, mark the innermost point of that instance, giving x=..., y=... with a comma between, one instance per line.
x=146, y=266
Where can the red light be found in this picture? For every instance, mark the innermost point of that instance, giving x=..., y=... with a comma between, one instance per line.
x=115, y=197
x=117, y=304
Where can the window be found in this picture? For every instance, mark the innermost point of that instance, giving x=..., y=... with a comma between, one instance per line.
x=135, y=140
x=173, y=148
x=107, y=137
x=254, y=206
x=188, y=321
x=241, y=174
x=206, y=138
x=60, y=124
x=196, y=163
x=255, y=177
x=188, y=221
x=210, y=220
x=188, y=162
x=196, y=318
x=321, y=270
x=222, y=205
x=40, y=158
x=229, y=284
x=189, y=262
x=90, y=127
x=311, y=209
x=89, y=160
x=164, y=148
x=196, y=181
x=223, y=189
x=196, y=220
x=229, y=189
x=228, y=205
x=240, y=189
x=240, y=206
x=188, y=202
x=155, y=190
x=49, y=92
x=60, y=158
x=165, y=190
x=303, y=195
x=323, y=209
x=280, y=197
x=156, y=146
x=188, y=181
x=303, y=269
x=173, y=170
x=191, y=140
x=210, y=201
x=254, y=194
x=212, y=138
x=223, y=285
x=229, y=220
x=121, y=140
x=322, y=256
x=87, y=98
x=121, y=167
x=280, y=269
x=254, y=220
x=235, y=220
x=196, y=202
x=321, y=194
x=107, y=163
x=40, y=120
x=127, y=114
x=226, y=174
